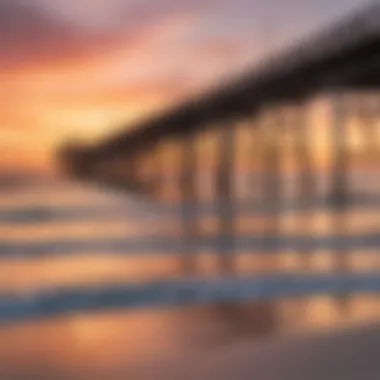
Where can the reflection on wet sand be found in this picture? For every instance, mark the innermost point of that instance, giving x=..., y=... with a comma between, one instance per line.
x=121, y=344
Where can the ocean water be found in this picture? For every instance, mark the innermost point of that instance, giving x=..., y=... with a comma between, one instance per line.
x=63, y=234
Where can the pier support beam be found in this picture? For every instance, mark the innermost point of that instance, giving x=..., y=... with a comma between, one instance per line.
x=189, y=204
x=272, y=182
x=224, y=197
x=305, y=176
x=340, y=184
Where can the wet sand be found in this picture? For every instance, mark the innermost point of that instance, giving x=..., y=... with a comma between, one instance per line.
x=185, y=344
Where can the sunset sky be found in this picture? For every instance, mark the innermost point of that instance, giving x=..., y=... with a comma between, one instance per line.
x=80, y=69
